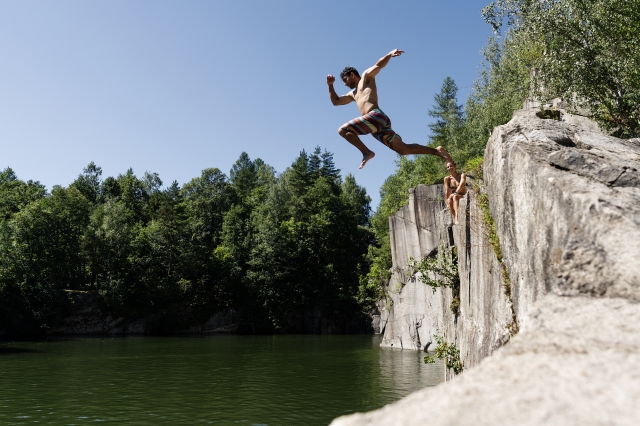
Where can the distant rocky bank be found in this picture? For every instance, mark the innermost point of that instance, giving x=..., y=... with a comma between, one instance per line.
x=89, y=315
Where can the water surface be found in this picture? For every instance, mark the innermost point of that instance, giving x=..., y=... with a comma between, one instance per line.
x=252, y=380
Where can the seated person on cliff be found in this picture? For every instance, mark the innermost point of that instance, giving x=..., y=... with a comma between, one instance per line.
x=455, y=187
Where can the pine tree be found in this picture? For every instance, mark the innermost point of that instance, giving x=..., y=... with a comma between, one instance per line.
x=315, y=163
x=243, y=175
x=299, y=178
x=328, y=166
x=449, y=115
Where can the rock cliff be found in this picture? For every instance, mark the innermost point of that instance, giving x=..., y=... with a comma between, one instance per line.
x=565, y=200
x=416, y=312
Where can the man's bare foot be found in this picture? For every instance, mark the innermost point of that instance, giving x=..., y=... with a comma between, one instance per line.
x=444, y=154
x=366, y=158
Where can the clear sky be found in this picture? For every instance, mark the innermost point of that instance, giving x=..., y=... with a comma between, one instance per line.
x=174, y=87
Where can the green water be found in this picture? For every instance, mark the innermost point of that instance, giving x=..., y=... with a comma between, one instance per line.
x=252, y=380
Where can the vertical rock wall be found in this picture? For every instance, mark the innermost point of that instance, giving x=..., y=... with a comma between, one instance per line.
x=417, y=312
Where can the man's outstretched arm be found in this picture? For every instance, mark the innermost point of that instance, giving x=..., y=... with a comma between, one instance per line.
x=382, y=62
x=335, y=99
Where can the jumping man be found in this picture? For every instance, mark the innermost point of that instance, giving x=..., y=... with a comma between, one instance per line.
x=373, y=120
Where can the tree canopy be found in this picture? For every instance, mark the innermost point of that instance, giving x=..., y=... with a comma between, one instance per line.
x=272, y=246
x=587, y=52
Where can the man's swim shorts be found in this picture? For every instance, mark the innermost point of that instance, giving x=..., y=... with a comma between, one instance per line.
x=375, y=122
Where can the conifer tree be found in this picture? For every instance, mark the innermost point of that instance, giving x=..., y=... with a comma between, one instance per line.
x=449, y=116
x=243, y=175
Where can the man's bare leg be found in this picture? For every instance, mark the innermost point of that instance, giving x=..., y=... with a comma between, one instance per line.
x=354, y=140
x=413, y=148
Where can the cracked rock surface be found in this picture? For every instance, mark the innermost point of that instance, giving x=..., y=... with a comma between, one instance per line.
x=415, y=312
x=566, y=202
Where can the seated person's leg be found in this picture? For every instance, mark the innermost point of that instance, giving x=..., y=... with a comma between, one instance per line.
x=456, y=205
x=450, y=204
x=447, y=187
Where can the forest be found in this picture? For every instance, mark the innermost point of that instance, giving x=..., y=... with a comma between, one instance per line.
x=268, y=245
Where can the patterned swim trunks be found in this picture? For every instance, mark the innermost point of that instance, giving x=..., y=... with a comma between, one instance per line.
x=375, y=122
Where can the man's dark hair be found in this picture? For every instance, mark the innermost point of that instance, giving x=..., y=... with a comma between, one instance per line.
x=348, y=70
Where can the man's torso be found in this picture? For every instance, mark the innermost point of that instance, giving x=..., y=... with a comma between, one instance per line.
x=366, y=95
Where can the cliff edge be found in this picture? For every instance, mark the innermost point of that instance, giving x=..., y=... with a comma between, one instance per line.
x=554, y=272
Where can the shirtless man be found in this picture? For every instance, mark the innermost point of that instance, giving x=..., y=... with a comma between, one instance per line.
x=455, y=186
x=373, y=120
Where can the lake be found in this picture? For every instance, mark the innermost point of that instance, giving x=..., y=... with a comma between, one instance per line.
x=221, y=379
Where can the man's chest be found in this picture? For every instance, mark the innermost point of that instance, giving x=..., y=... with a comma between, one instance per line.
x=362, y=93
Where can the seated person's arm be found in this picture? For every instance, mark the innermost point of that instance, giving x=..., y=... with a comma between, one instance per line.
x=447, y=186
x=335, y=99
x=462, y=188
x=382, y=62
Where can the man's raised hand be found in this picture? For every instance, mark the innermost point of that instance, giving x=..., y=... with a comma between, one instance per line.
x=331, y=79
x=396, y=52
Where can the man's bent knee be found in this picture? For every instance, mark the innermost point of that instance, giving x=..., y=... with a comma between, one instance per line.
x=343, y=130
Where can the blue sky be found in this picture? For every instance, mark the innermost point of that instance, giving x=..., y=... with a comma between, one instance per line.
x=174, y=87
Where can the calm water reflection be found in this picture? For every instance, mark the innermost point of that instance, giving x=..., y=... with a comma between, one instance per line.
x=252, y=380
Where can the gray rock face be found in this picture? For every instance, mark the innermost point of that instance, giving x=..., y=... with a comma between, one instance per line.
x=416, y=312
x=566, y=203
x=413, y=312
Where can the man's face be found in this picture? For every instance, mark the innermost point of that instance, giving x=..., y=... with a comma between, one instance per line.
x=349, y=81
